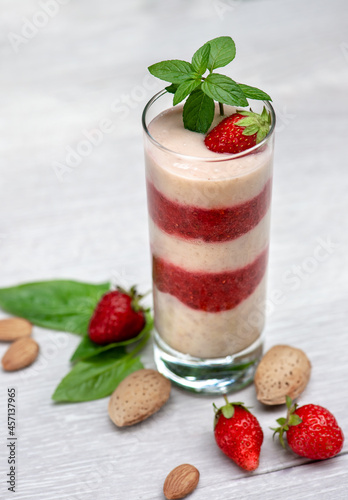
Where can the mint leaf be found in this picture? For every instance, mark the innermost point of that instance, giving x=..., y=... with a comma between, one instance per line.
x=254, y=93
x=172, y=88
x=221, y=88
x=62, y=305
x=173, y=71
x=96, y=377
x=87, y=348
x=198, y=112
x=222, y=52
x=200, y=59
x=184, y=89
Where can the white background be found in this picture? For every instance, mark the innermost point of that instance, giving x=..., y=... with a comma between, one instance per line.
x=64, y=74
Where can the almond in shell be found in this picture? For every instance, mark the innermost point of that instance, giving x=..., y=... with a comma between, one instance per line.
x=283, y=371
x=138, y=396
x=180, y=482
x=14, y=328
x=20, y=354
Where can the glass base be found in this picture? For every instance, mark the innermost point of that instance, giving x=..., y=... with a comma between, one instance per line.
x=209, y=376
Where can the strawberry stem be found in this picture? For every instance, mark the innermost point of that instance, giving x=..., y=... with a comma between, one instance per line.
x=135, y=296
x=221, y=108
x=284, y=423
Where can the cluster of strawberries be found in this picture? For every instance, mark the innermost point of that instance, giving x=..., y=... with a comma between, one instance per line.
x=311, y=430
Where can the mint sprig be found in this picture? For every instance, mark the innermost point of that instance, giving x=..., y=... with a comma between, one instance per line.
x=188, y=80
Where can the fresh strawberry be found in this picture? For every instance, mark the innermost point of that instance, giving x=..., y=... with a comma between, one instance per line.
x=238, y=434
x=311, y=431
x=117, y=317
x=238, y=132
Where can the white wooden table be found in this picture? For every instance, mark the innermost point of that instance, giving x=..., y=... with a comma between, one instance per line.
x=81, y=66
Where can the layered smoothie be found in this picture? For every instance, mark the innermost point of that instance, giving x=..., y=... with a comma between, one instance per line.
x=209, y=232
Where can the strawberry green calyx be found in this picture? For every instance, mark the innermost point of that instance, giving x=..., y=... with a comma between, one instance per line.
x=227, y=410
x=255, y=123
x=285, y=423
x=135, y=296
x=202, y=87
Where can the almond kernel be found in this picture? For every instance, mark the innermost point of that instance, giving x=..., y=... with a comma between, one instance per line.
x=20, y=354
x=180, y=482
x=14, y=328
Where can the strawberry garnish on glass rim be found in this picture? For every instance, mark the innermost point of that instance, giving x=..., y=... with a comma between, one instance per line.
x=240, y=131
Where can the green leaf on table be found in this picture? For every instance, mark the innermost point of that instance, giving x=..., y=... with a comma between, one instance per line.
x=223, y=89
x=173, y=71
x=184, y=89
x=198, y=112
x=200, y=59
x=87, y=348
x=222, y=52
x=254, y=93
x=62, y=305
x=96, y=377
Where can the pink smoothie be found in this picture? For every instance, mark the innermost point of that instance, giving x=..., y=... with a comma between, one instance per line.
x=209, y=232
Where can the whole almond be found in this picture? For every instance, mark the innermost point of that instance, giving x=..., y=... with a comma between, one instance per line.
x=283, y=371
x=14, y=328
x=181, y=481
x=20, y=354
x=138, y=396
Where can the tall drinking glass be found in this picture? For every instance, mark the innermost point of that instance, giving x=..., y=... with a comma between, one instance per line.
x=209, y=219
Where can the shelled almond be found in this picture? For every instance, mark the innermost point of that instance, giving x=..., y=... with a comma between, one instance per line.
x=180, y=482
x=14, y=328
x=20, y=354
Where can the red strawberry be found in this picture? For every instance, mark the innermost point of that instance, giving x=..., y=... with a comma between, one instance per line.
x=238, y=434
x=311, y=431
x=117, y=317
x=238, y=132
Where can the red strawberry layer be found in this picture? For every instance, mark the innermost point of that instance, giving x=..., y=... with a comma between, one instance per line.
x=211, y=225
x=210, y=292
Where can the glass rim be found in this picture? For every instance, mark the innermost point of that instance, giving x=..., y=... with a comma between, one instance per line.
x=222, y=157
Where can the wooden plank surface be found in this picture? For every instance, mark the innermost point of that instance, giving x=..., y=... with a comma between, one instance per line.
x=65, y=73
